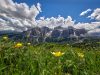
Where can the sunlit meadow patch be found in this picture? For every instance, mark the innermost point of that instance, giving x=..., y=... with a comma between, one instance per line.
x=47, y=59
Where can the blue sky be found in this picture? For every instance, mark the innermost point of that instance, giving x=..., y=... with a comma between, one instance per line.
x=64, y=8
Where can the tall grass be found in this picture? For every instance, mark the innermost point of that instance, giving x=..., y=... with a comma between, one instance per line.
x=38, y=59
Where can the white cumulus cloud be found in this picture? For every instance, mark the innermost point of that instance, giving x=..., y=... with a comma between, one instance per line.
x=17, y=16
x=96, y=14
x=54, y=22
x=95, y=32
x=92, y=28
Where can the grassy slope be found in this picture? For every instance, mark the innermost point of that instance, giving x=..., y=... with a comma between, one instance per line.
x=38, y=60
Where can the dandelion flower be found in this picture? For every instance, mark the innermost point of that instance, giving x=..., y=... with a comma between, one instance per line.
x=18, y=45
x=5, y=38
x=28, y=43
x=57, y=54
x=81, y=55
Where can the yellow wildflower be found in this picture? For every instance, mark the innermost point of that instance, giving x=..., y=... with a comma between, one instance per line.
x=81, y=55
x=18, y=45
x=57, y=54
x=28, y=43
x=5, y=38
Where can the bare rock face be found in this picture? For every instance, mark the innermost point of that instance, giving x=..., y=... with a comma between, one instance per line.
x=36, y=31
x=80, y=32
x=65, y=34
x=71, y=30
x=45, y=30
x=43, y=33
x=55, y=33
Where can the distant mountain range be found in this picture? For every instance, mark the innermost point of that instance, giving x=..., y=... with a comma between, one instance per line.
x=44, y=34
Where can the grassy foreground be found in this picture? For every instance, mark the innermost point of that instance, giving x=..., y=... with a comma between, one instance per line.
x=43, y=59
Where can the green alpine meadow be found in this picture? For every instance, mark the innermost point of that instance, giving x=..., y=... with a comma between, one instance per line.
x=24, y=58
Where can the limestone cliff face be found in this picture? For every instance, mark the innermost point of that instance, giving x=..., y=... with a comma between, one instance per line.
x=43, y=33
